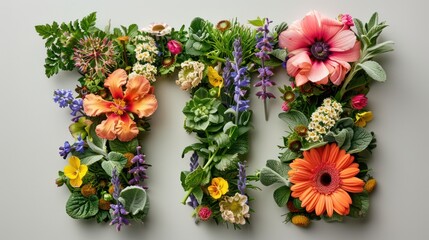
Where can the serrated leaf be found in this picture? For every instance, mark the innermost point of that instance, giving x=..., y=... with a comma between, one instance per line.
x=274, y=172
x=88, y=22
x=194, y=178
x=226, y=161
x=294, y=118
x=360, y=141
x=80, y=207
x=374, y=70
x=222, y=139
x=281, y=195
x=133, y=198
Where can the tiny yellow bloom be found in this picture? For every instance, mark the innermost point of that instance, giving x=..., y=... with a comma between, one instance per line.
x=218, y=188
x=214, y=78
x=300, y=220
x=75, y=171
x=370, y=185
x=363, y=118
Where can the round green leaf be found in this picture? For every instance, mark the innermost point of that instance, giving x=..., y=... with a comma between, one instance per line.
x=80, y=207
x=134, y=199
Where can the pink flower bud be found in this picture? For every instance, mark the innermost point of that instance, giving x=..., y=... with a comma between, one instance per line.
x=204, y=213
x=346, y=19
x=359, y=101
x=285, y=107
x=174, y=46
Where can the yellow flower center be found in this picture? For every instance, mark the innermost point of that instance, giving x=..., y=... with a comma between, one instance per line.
x=118, y=107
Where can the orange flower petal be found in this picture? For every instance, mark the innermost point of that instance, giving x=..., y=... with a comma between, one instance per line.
x=107, y=128
x=307, y=196
x=329, y=206
x=137, y=87
x=301, y=186
x=145, y=106
x=338, y=207
x=349, y=172
x=344, y=160
x=94, y=105
x=115, y=81
x=126, y=129
x=312, y=205
x=320, y=206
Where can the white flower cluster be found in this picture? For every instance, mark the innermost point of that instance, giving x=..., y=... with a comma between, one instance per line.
x=145, y=53
x=323, y=119
x=190, y=75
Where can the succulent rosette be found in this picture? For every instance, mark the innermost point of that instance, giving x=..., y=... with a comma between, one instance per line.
x=323, y=168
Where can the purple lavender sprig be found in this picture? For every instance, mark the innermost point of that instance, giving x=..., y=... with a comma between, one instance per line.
x=241, y=79
x=193, y=165
x=242, y=179
x=139, y=169
x=65, y=98
x=119, y=211
x=265, y=46
x=78, y=146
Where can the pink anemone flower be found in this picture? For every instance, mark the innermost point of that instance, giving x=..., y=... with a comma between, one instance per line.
x=320, y=49
x=138, y=98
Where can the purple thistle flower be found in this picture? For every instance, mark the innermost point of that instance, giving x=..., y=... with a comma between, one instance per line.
x=265, y=46
x=78, y=146
x=76, y=106
x=242, y=179
x=63, y=97
x=193, y=165
x=119, y=211
x=65, y=149
x=241, y=80
x=139, y=169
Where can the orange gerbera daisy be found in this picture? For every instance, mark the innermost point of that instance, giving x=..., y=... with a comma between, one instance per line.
x=323, y=178
x=137, y=98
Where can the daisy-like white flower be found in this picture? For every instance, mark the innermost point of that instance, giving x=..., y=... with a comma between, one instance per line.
x=158, y=29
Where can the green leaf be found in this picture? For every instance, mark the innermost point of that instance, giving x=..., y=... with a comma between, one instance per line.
x=374, y=70
x=133, y=198
x=294, y=118
x=226, y=161
x=114, y=160
x=201, y=93
x=288, y=155
x=91, y=159
x=280, y=54
x=222, y=139
x=194, y=178
x=123, y=147
x=281, y=195
x=193, y=147
x=360, y=205
x=80, y=207
x=198, y=193
x=259, y=22
x=308, y=146
x=360, y=141
x=274, y=172
x=88, y=22
x=335, y=218
x=142, y=214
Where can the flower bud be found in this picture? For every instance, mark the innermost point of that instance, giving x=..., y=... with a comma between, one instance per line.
x=108, y=197
x=300, y=220
x=370, y=185
x=204, y=213
x=59, y=181
x=174, y=46
x=359, y=101
x=285, y=107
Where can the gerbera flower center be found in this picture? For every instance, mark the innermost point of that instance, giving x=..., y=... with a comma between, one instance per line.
x=320, y=50
x=118, y=106
x=327, y=179
x=158, y=28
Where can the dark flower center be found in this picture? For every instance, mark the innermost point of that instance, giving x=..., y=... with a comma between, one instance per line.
x=325, y=179
x=320, y=50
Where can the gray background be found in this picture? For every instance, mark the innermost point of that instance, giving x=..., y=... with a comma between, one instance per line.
x=33, y=127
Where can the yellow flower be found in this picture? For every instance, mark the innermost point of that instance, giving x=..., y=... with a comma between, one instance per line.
x=214, y=78
x=363, y=118
x=370, y=185
x=75, y=171
x=300, y=220
x=218, y=188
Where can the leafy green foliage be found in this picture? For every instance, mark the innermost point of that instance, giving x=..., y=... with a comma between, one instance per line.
x=80, y=207
x=374, y=70
x=294, y=118
x=133, y=198
x=281, y=195
x=198, y=35
x=274, y=172
x=114, y=160
x=123, y=147
x=360, y=205
x=60, y=41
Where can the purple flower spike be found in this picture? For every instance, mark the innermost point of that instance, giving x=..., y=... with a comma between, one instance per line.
x=242, y=179
x=139, y=169
x=65, y=149
x=241, y=80
x=119, y=211
x=63, y=97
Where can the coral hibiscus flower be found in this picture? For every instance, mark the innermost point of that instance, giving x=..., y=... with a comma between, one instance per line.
x=319, y=49
x=323, y=179
x=137, y=98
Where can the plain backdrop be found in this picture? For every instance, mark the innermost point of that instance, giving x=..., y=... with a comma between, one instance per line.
x=32, y=127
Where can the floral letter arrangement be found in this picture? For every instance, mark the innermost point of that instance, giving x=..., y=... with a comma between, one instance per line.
x=322, y=169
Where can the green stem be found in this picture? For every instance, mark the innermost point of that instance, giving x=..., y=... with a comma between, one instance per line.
x=204, y=168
